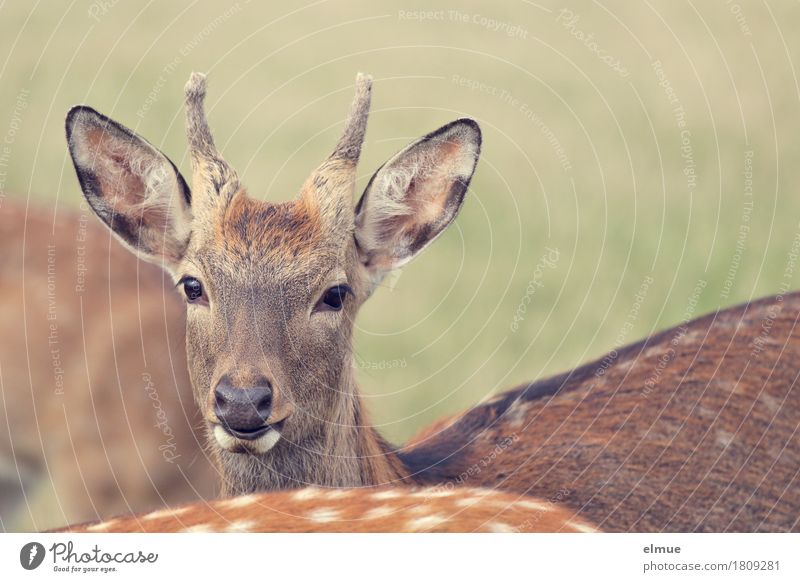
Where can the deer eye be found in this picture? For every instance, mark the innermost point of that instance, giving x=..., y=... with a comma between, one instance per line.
x=192, y=288
x=333, y=299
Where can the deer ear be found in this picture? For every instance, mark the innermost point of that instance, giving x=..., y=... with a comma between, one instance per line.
x=134, y=188
x=414, y=196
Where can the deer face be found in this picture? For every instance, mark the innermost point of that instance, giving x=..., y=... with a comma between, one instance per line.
x=271, y=289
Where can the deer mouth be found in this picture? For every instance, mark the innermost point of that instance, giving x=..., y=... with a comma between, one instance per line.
x=248, y=435
x=259, y=440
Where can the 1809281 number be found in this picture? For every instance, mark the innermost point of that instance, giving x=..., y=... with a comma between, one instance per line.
x=757, y=565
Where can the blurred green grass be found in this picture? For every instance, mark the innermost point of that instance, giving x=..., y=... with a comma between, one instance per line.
x=438, y=338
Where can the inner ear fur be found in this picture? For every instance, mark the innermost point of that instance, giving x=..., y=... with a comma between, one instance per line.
x=135, y=189
x=415, y=196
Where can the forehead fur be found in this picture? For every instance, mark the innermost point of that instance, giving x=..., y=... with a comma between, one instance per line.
x=289, y=234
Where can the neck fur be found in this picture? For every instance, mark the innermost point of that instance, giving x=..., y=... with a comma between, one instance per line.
x=351, y=454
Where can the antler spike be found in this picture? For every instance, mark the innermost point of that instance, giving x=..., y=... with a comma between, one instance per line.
x=206, y=160
x=349, y=145
x=330, y=188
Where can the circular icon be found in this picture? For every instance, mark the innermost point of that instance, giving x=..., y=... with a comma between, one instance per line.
x=31, y=555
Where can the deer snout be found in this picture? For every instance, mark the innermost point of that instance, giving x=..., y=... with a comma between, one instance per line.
x=243, y=411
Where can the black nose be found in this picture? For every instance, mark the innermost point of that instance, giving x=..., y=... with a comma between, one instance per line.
x=243, y=411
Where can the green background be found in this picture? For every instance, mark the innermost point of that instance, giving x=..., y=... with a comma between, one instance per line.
x=580, y=156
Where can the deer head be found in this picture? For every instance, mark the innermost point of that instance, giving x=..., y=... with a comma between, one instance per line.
x=272, y=290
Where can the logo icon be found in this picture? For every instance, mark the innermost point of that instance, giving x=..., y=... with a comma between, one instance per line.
x=31, y=555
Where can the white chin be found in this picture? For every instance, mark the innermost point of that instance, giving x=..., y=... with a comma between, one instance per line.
x=259, y=445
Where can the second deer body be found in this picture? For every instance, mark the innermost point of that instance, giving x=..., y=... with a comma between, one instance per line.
x=386, y=509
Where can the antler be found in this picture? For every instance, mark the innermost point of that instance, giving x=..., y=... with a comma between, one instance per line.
x=207, y=163
x=329, y=190
x=349, y=145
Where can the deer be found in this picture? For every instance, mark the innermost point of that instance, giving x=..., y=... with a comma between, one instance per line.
x=401, y=509
x=95, y=400
x=272, y=289
x=691, y=429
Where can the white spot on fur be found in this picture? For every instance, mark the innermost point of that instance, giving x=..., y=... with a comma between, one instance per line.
x=165, y=513
x=727, y=386
x=692, y=337
x=703, y=412
x=379, y=512
x=241, y=526
x=421, y=509
x=236, y=502
x=499, y=527
x=324, y=515
x=336, y=493
x=517, y=415
x=306, y=494
x=533, y=505
x=478, y=495
x=724, y=438
x=198, y=528
x=426, y=522
x=481, y=492
x=581, y=527
x=432, y=492
x=468, y=501
x=653, y=352
x=623, y=365
x=770, y=402
x=388, y=494
x=101, y=526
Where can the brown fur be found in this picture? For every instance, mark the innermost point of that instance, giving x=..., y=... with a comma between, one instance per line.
x=277, y=234
x=86, y=446
x=398, y=509
x=271, y=258
x=709, y=443
x=265, y=269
